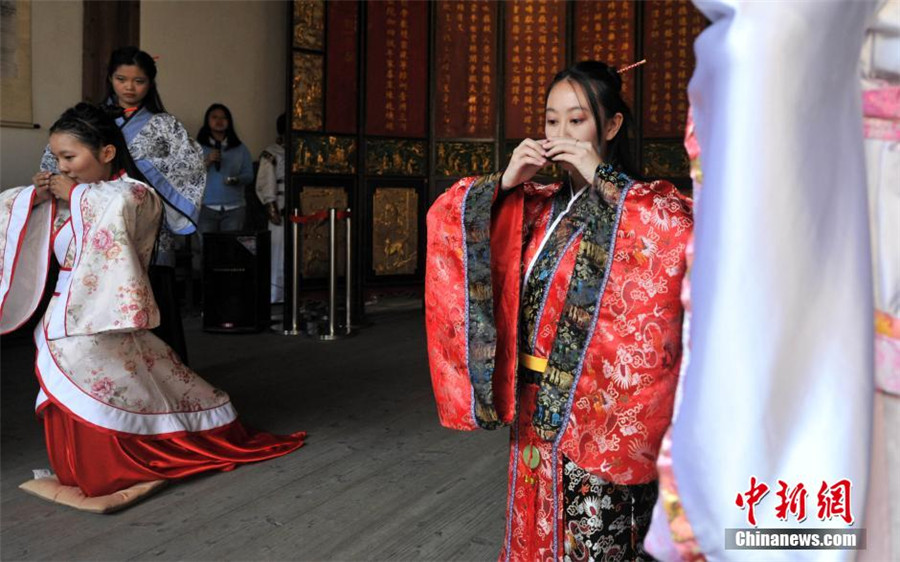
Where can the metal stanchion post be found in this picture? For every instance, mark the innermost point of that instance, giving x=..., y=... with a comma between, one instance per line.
x=332, y=276
x=347, y=276
x=295, y=278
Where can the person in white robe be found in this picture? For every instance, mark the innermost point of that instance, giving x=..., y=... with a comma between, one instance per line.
x=270, y=190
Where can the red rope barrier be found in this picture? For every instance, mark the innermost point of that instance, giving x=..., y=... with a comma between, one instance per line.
x=318, y=217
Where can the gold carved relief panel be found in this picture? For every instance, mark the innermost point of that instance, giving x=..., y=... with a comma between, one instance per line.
x=314, y=234
x=309, y=24
x=395, y=231
x=307, y=88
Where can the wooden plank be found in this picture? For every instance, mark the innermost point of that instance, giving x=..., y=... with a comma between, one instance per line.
x=378, y=478
x=106, y=27
x=371, y=501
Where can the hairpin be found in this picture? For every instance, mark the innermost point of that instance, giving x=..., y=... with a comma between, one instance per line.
x=630, y=66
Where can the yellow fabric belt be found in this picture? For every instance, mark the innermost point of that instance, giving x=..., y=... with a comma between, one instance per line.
x=532, y=363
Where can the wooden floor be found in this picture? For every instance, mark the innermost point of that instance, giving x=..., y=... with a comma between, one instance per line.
x=378, y=479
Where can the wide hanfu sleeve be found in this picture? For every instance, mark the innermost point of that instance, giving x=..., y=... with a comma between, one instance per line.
x=115, y=226
x=173, y=164
x=24, y=255
x=471, y=301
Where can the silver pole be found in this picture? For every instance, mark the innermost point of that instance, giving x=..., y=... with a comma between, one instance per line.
x=295, y=279
x=347, y=271
x=332, y=275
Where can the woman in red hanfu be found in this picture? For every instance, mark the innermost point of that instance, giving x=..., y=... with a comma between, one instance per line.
x=555, y=309
x=120, y=409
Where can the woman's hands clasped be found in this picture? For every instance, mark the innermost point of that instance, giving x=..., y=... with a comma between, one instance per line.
x=41, y=182
x=577, y=156
x=61, y=186
x=581, y=156
x=48, y=184
x=526, y=160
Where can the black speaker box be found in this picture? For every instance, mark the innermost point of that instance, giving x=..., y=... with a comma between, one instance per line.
x=236, y=281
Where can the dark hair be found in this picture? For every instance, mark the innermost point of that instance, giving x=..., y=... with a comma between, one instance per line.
x=280, y=124
x=603, y=87
x=95, y=128
x=204, y=136
x=132, y=56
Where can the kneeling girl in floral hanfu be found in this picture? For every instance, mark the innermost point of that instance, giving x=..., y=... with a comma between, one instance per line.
x=119, y=407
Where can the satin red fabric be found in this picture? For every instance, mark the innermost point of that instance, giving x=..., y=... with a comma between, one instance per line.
x=101, y=462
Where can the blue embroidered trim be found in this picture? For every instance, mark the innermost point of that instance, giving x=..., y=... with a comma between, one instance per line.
x=568, y=411
x=465, y=257
x=556, y=513
x=512, y=488
x=134, y=125
x=171, y=195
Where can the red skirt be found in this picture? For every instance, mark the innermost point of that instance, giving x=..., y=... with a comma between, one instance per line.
x=102, y=462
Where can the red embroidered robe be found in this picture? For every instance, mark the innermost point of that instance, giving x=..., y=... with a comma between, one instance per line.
x=522, y=272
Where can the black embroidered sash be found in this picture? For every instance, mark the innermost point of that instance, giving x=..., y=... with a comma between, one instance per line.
x=597, y=220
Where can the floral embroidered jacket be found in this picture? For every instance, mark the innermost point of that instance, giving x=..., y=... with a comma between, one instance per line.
x=97, y=358
x=558, y=312
x=113, y=230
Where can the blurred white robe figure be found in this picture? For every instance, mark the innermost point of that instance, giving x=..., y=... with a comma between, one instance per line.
x=779, y=384
x=270, y=190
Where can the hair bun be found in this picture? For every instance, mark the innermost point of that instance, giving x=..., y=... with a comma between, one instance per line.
x=114, y=111
x=602, y=71
x=88, y=110
x=614, y=77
